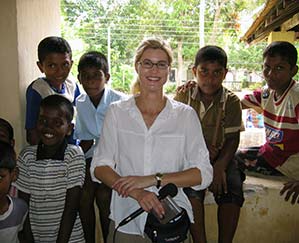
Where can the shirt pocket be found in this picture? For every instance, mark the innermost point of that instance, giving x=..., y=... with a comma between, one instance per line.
x=168, y=152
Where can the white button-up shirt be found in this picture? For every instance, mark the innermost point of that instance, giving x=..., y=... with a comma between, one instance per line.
x=89, y=119
x=173, y=143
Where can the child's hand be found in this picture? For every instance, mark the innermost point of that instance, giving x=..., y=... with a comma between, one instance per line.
x=292, y=190
x=218, y=185
x=185, y=87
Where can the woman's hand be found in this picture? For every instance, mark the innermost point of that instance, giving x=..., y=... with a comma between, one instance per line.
x=125, y=185
x=148, y=201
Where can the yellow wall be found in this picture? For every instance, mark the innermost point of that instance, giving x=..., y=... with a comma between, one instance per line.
x=282, y=36
x=23, y=23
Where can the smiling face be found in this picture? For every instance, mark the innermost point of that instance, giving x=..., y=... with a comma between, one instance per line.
x=278, y=73
x=209, y=76
x=53, y=125
x=153, y=79
x=93, y=81
x=56, y=67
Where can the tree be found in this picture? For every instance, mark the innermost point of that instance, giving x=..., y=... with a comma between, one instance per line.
x=122, y=24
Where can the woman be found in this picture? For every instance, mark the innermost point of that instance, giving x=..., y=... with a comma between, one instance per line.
x=149, y=141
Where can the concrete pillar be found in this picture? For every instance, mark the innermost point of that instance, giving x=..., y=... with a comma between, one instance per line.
x=23, y=23
x=282, y=36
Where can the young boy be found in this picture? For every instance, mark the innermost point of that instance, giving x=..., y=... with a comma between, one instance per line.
x=13, y=211
x=55, y=61
x=279, y=104
x=51, y=177
x=93, y=74
x=7, y=135
x=219, y=111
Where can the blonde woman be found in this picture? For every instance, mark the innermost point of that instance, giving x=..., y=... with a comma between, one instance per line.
x=147, y=142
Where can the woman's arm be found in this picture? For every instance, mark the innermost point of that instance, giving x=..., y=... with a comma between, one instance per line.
x=147, y=200
x=69, y=215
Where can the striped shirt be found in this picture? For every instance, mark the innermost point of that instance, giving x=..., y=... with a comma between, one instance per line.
x=11, y=222
x=281, y=118
x=47, y=182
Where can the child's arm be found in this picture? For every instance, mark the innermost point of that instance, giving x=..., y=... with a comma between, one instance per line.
x=69, y=214
x=25, y=236
x=225, y=155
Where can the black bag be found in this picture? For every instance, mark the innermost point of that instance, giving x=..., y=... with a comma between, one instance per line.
x=174, y=231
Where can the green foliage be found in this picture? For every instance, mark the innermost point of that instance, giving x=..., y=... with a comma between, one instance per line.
x=121, y=81
x=122, y=24
x=170, y=88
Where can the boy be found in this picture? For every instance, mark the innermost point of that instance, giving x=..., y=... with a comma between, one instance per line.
x=279, y=104
x=55, y=61
x=93, y=74
x=51, y=176
x=7, y=135
x=13, y=211
x=219, y=111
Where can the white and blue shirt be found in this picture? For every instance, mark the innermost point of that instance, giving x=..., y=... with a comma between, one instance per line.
x=89, y=119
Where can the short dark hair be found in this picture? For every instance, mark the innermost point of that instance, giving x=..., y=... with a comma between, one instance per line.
x=52, y=44
x=58, y=101
x=211, y=53
x=4, y=123
x=284, y=49
x=7, y=156
x=94, y=59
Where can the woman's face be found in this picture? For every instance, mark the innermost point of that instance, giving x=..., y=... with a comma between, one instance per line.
x=153, y=69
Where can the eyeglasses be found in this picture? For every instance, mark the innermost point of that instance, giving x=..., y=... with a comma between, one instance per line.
x=205, y=72
x=99, y=75
x=148, y=64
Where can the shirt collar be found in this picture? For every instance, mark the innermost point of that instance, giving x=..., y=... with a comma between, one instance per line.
x=59, y=155
x=60, y=91
x=130, y=105
x=195, y=94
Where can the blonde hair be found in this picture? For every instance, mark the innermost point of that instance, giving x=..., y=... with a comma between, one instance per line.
x=154, y=43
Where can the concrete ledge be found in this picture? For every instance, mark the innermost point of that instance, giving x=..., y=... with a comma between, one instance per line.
x=265, y=216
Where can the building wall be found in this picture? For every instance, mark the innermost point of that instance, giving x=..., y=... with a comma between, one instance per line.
x=23, y=23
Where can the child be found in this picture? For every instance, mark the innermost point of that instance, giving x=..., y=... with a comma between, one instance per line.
x=7, y=135
x=51, y=176
x=13, y=211
x=55, y=61
x=219, y=111
x=279, y=104
x=93, y=74
x=6, y=132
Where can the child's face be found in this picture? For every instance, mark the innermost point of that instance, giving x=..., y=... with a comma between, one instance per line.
x=6, y=177
x=53, y=126
x=209, y=76
x=93, y=81
x=56, y=68
x=278, y=73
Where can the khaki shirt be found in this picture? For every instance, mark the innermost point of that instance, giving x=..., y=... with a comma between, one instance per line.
x=226, y=103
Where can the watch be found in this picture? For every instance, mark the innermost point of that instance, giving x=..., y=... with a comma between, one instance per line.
x=159, y=177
